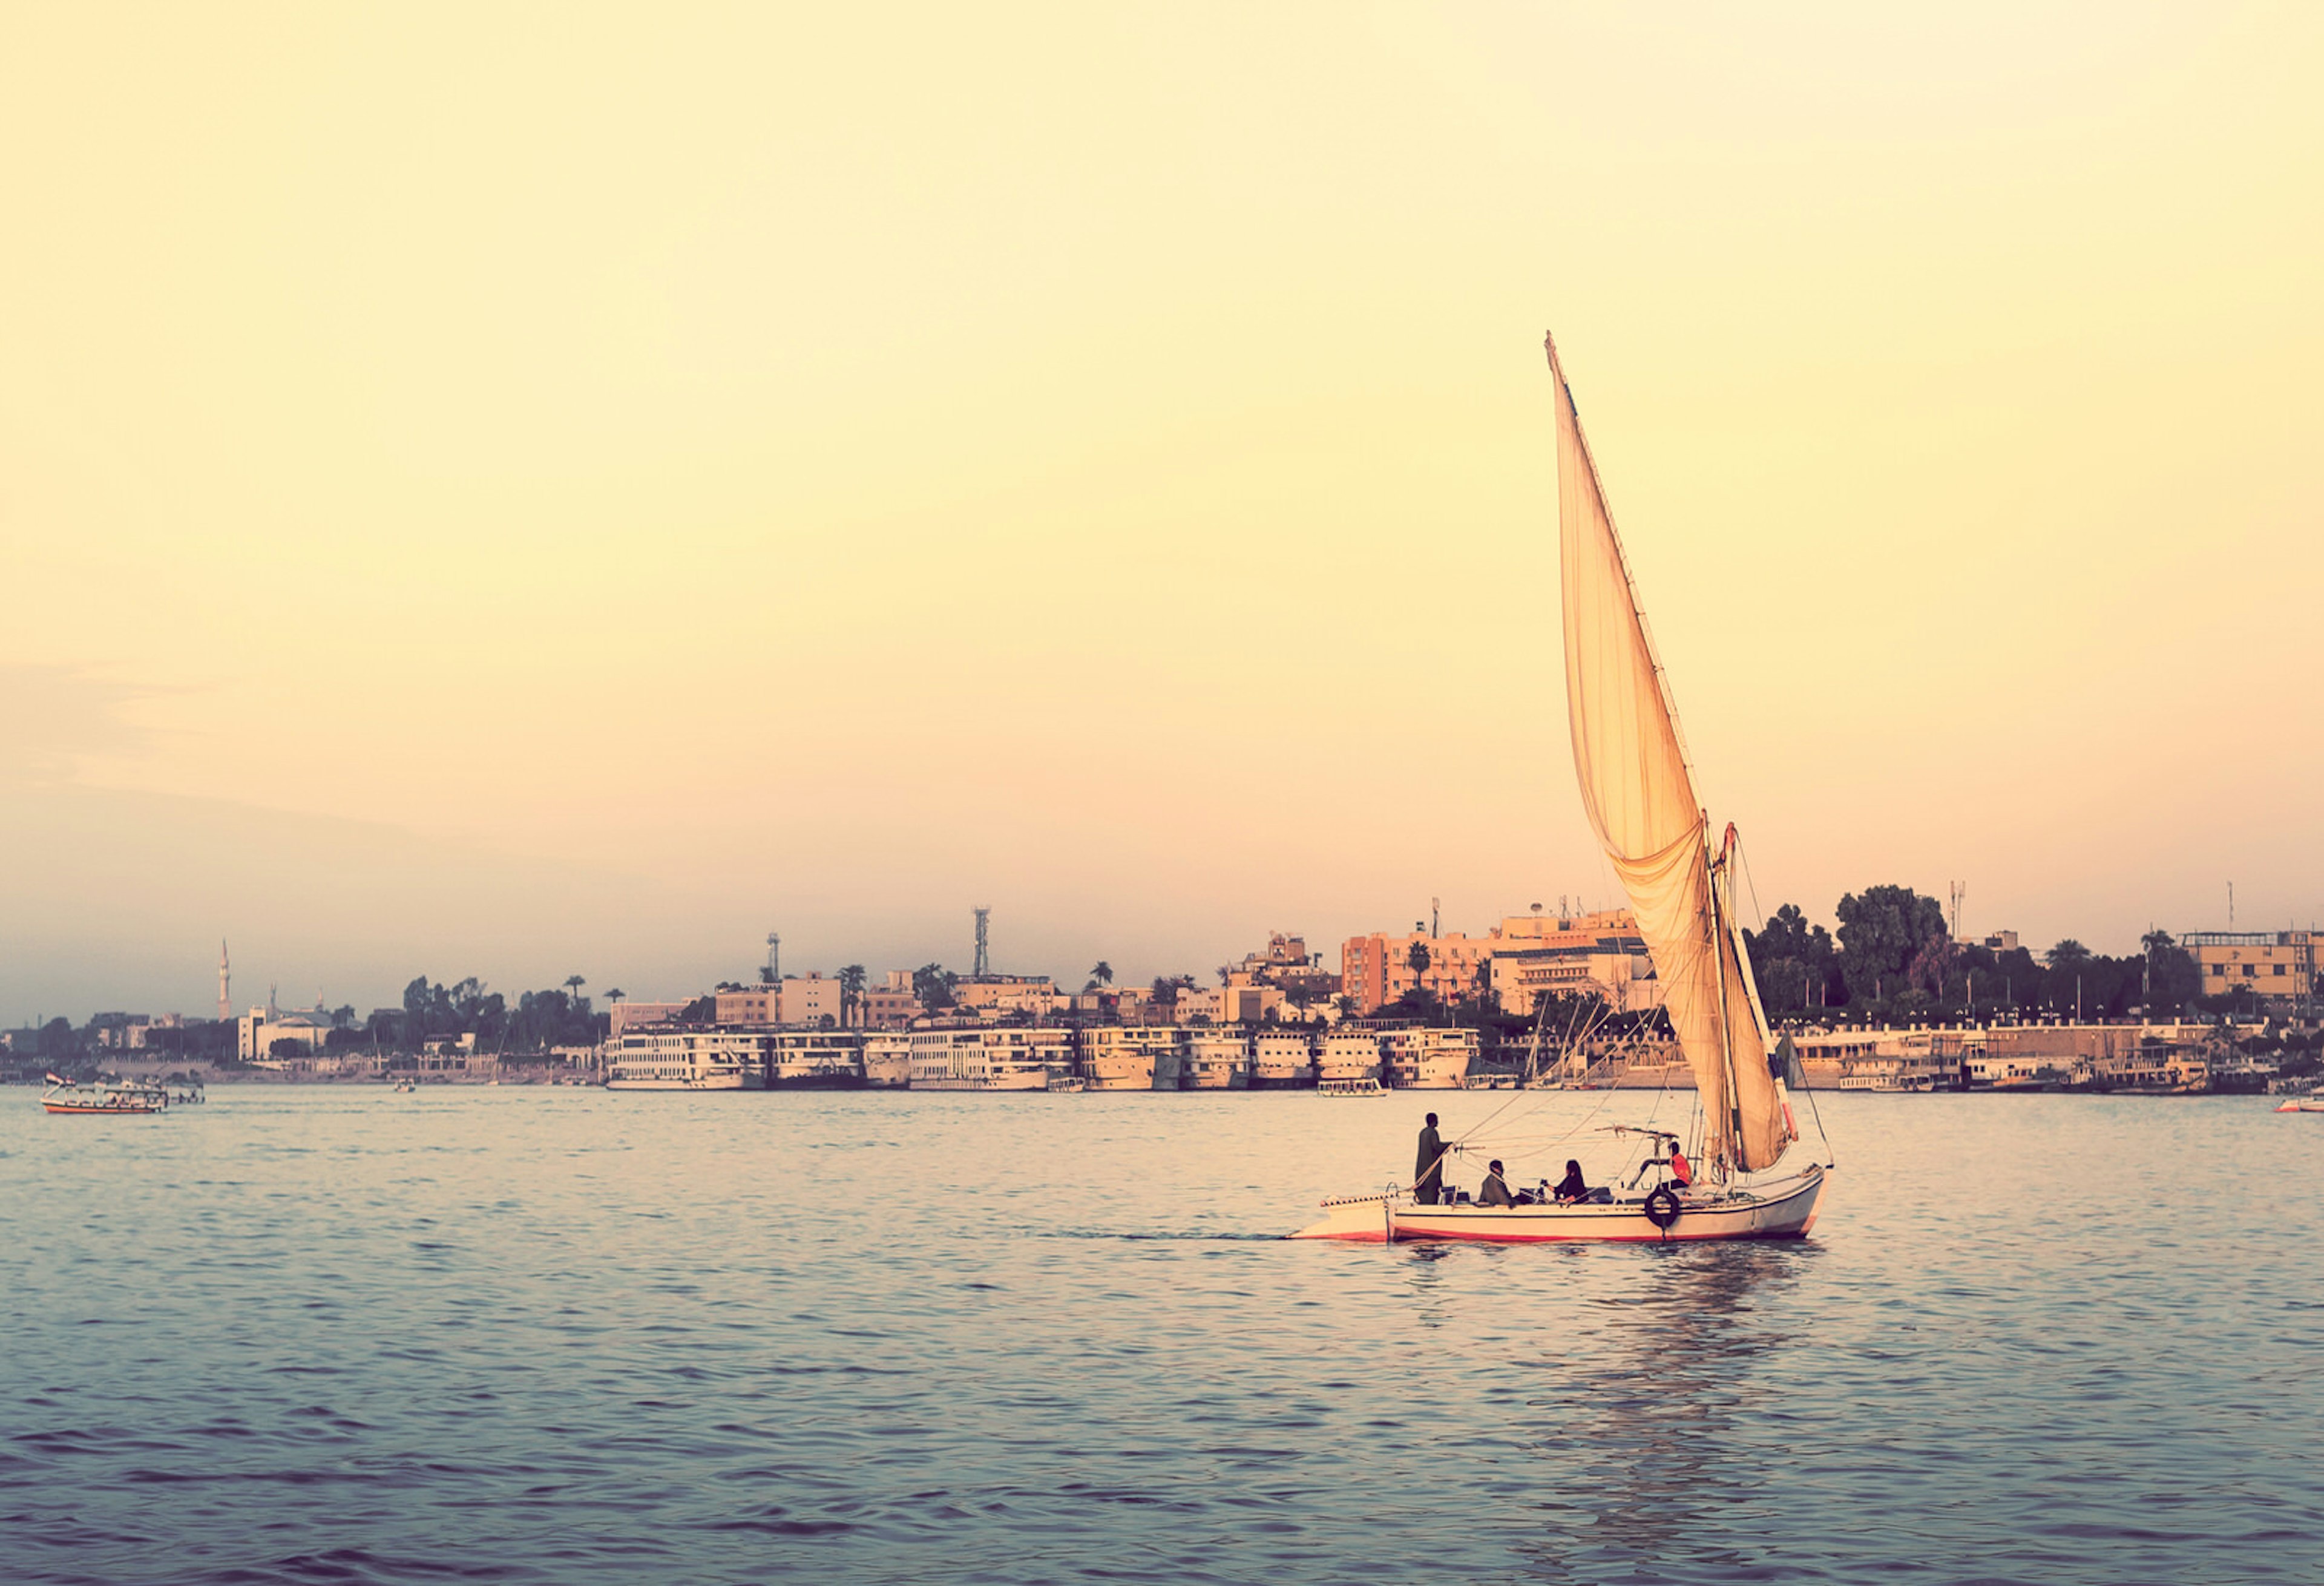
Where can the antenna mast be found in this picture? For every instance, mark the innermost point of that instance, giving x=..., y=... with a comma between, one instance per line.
x=773, y=973
x=225, y=981
x=984, y=957
x=1960, y=889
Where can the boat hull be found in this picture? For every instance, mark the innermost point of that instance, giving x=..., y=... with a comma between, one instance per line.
x=1785, y=1209
x=94, y=1109
x=724, y=1082
x=826, y=1079
x=1028, y=1080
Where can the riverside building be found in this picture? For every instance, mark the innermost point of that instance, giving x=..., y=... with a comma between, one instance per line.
x=2280, y=967
x=1520, y=958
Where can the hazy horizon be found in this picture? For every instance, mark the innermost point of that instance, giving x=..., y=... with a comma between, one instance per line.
x=487, y=500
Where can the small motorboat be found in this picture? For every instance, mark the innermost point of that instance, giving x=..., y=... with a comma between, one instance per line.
x=1350, y=1087
x=2313, y=1101
x=103, y=1098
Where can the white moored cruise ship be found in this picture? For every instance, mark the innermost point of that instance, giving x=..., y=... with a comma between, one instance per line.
x=887, y=1060
x=1131, y=1058
x=675, y=1057
x=1428, y=1059
x=1218, y=1060
x=815, y=1060
x=1349, y=1055
x=987, y=1059
x=1281, y=1062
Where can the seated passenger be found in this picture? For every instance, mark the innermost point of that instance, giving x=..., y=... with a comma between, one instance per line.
x=1679, y=1170
x=1571, y=1189
x=1495, y=1190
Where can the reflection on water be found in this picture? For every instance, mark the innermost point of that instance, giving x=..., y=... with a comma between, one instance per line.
x=519, y=1336
x=1642, y=1478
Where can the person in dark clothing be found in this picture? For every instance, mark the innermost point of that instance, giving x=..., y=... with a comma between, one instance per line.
x=1571, y=1189
x=1495, y=1190
x=1428, y=1171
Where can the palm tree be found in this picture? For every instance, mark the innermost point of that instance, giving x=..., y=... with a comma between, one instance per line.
x=1103, y=975
x=2066, y=955
x=573, y=983
x=850, y=990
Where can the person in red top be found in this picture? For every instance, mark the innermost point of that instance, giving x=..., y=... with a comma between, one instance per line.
x=1679, y=1170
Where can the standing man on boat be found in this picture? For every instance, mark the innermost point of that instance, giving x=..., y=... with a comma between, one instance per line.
x=1428, y=1172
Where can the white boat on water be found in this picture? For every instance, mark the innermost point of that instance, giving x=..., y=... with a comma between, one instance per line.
x=675, y=1057
x=887, y=1060
x=1424, y=1057
x=1217, y=1061
x=1350, y=1087
x=1131, y=1058
x=977, y=1059
x=1281, y=1062
x=104, y=1098
x=815, y=1060
x=2313, y=1101
x=1638, y=791
x=1349, y=1055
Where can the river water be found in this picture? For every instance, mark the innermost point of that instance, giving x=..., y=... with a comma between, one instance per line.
x=328, y=1335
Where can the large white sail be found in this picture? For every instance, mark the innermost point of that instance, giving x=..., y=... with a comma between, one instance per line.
x=1640, y=796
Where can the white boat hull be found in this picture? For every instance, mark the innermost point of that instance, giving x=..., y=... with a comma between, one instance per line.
x=1029, y=1079
x=1781, y=1209
x=716, y=1082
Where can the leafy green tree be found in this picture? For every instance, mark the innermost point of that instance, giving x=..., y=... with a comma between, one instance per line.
x=932, y=983
x=1882, y=931
x=2173, y=979
x=2066, y=955
x=1794, y=964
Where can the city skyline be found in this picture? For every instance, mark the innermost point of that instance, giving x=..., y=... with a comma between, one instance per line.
x=478, y=500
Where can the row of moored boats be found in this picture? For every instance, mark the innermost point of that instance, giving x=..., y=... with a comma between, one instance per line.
x=986, y=1058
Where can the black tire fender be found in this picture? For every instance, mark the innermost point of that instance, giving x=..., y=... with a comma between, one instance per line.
x=1662, y=1207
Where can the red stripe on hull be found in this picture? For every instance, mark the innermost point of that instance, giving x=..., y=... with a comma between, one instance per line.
x=1404, y=1238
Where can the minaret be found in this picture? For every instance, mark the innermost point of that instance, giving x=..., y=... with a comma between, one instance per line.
x=226, y=980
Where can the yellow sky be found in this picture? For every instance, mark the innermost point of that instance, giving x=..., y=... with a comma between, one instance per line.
x=526, y=490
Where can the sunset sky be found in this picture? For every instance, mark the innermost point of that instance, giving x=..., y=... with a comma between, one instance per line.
x=527, y=491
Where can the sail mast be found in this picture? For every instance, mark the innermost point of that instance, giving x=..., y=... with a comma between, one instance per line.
x=1637, y=789
x=1622, y=559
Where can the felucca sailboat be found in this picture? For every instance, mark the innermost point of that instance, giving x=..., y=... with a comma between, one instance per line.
x=1639, y=790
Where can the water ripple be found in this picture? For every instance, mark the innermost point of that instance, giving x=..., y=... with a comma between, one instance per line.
x=311, y=1335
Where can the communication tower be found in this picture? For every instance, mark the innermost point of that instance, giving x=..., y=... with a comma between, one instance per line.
x=225, y=982
x=1436, y=918
x=772, y=974
x=984, y=957
x=1960, y=889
